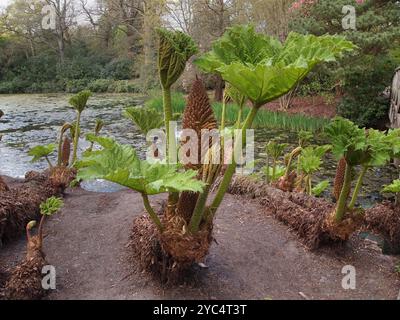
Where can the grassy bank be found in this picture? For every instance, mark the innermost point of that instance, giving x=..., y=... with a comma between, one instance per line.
x=72, y=86
x=264, y=118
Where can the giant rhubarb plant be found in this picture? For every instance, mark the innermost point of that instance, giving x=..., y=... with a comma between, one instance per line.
x=175, y=49
x=257, y=67
x=120, y=164
x=78, y=102
x=355, y=147
x=263, y=69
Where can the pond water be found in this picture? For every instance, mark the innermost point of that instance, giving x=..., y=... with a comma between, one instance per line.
x=30, y=120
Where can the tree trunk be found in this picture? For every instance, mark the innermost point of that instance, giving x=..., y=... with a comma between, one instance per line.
x=219, y=89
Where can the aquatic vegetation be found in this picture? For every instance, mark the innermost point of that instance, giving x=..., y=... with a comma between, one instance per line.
x=40, y=152
x=79, y=103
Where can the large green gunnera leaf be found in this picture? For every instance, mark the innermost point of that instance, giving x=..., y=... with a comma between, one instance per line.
x=120, y=164
x=145, y=118
x=262, y=68
x=39, y=152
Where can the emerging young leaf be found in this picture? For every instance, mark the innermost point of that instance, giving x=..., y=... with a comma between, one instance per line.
x=348, y=141
x=269, y=172
x=379, y=148
x=320, y=187
x=120, y=164
x=145, y=118
x=175, y=49
x=394, y=187
x=39, y=152
x=304, y=137
x=79, y=101
x=394, y=140
x=275, y=150
x=51, y=206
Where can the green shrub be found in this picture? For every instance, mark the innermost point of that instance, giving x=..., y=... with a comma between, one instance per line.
x=118, y=69
x=100, y=85
x=123, y=86
x=364, y=76
x=75, y=86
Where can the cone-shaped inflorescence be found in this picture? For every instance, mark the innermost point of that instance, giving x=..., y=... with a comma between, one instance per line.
x=339, y=178
x=66, y=152
x=198, y=115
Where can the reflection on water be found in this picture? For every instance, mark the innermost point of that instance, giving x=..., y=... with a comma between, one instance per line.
x=30, y=120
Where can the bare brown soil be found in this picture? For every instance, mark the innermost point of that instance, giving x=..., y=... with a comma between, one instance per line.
x=311, y=106
x=255, y=256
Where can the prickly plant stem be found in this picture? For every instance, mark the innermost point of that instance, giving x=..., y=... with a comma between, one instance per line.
x=199, y=210
x=76, y=138
x=273, y=169
x=267, y=166
x=151, y=212
x=167, y=104
x=40, y=232
x=226, y=180
x=239, y=120
x=342, y=201
x=59, y=155
x=357, y=188
x=309, y=185
x=49, y=162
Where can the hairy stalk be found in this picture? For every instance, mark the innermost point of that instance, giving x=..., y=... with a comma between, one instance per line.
x=49, y=162
x=40, y=232
x=199, y=210
x=267, y=166
x=171, y=145
x=342, y=201
x=151, y=212
x=226, y=180
x=239, y=120
x=167, y=118
x=309, y=185
x=222, y=128
x=273, y=168
x=293, y=154
x=358, y=187
x=76, y=138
